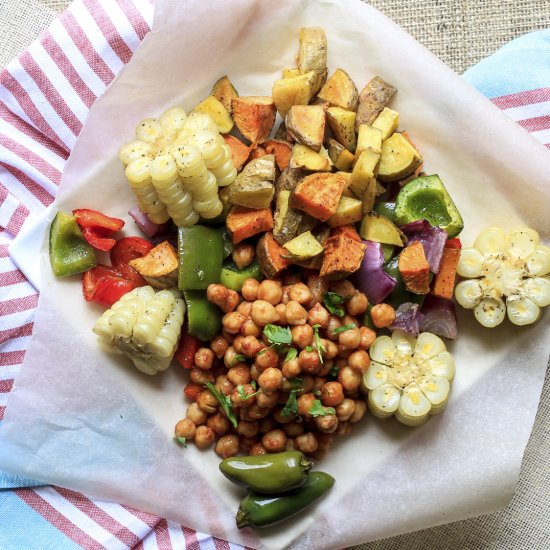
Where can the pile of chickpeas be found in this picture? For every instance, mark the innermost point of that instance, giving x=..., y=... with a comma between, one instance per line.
x=241, y=355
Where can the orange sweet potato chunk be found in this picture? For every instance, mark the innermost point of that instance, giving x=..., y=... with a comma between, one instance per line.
x=414, y=268
x=254, y=116
x=270, y=256
x=444, y=282
x=239, y=151
x=243, y=223
x=282, y=151
x=342, y=256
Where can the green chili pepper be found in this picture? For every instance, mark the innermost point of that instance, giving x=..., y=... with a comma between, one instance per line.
x=203, y=317
x=232, y=277
x=258, y=510
x=200, y=255
x=268, y=474
x=70, y=253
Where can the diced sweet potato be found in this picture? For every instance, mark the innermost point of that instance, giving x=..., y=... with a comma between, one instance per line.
x=343, y=256
x=282, y=151
x=346, y=230
x=243, y=223
x=270, y=256
x=444, y=281
x=372, y=100
x=159, y=267
x=257, y=152
x=306, y=124
x=239, y=151
x=340, y=90
x=414, y=268
x=254, y=116
x=318, y=194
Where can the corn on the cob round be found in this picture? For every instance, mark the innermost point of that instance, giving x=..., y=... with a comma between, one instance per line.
x=176, y=165
x=409, y=378
x=145, y=326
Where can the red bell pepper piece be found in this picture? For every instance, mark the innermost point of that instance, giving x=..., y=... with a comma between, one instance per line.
x=91, y=278
x=97, y=228
x=453, y=243
x=125, y=250
x=192, y=390
x=110, y=289
x=187, y=347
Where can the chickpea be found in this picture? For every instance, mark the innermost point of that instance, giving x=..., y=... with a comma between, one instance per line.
x=295, y=314
x=270, y=379
x=318, y=455
x=343, y=428
x=196, y=414
x=266, y=358
x=286, y=294
x=324, y=441
x=200, y=376
x=250, y=346
x=332, y=394
x=263, y=313
x=204, y=437
x=350, y=379
x=317, y=286
x=257, y=449
x=333, y=323
x=318, y=315
x=357, y=304
x=230, y=358
x=204, y=358
x=331, y=349
x=237, y=344
x=289, y=444
x=239, y=375
x=291, y=277
x=257, y=413
x=368, y=336
x=359, y=361
x=307, y=383
x=350, y=338
x=244, y=308
x=350, y=320
x=227, y=445
x=232, y=322
x=326, y=367
x=281, y=312
x=305, y=402
x=382, y=315
x=282, y=418
x=344, y=288
x=185, y=428
x=249, y=289
x=229, y=337
x=267, y=400
x=306, y=443
x=247, y=428
x=243, y=396
x=345, y=409
x=243, y=255
x=222, y=297
x=327, y=423
x=266, y=425
x=309, y=361
x=270, y=291
x=224, y=385
x=274, y=441
x=219, y=423
x=219, y=346
x=300, y=293
x=246, y=443
x=302, y=335
x=294, y=428
x=250, y=328
x=255, y=373
x=207, y=402
x=344, y=352
x=359, y=412
x=291, y=368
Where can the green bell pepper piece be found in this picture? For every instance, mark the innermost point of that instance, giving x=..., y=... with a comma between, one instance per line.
x=400, y=294
x=387, y=209
x=200, y=256
x=70, y=253
x=232, y=277
x=228, y=245
x=204, y=319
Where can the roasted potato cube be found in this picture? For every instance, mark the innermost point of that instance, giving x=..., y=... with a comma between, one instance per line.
x=308, y=159
x=342, y=123
x=364, y=172
x=291, y=73
x=253, y=187
x=286, y=219
x=306, y=124
x=340, y=156
x=159, y=267
x=224, y=91
x=349, y=211
x=368, y=138
x=387, y=122
x=399, y=158
x=373, y=99
x=303, y=247
x=375, y=227
x=312, y=55
x=297, y=90
x=239, y=151
x=270, y=256
x=288, y=179
x=220, y=115
x=254, y=116
x=340, y=91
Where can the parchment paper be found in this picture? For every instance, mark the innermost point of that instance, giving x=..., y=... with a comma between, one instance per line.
x=86, y=420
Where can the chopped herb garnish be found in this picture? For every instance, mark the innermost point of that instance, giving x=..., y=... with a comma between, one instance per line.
x=317, y=409
x=278, y=335
x=317, y=342
x=225, y=403
x=239, y=358
x=309, y=348
x=291, y=405
x=181, y=441
x=291, y=354
x=253, y=384
x=333, y=303
x=334, y=370
x=242, y=393
x=317, y=393
x=343, y=328
x=296, y=382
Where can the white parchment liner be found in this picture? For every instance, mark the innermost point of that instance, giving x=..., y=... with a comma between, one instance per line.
x=82, y=419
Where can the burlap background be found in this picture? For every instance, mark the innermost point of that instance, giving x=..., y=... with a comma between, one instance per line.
x=460, y=32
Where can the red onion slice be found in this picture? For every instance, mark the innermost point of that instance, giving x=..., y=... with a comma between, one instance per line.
x=438, y=316
x=147, y=227
x=407, y=319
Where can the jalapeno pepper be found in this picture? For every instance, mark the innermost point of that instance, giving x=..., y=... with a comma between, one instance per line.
x=258, y=510
x=268, y=474
x=203, y=317
x=200, y=254
x=232, y=277
x=69, y=251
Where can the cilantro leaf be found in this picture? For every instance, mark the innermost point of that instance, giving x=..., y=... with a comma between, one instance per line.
x=334, y=370
x=343, y=328
x=291, y=405
x=317, y=343
x=239, y=358
x=242, y=393
x=296, y=382
x=291, y=354
x=181, y=441
x=225, y=403
x=309, y=348
x=317, y=409
x=278, y=335
x=333, y=302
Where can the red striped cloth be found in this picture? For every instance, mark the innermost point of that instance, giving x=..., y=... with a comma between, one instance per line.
x=45, y=96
